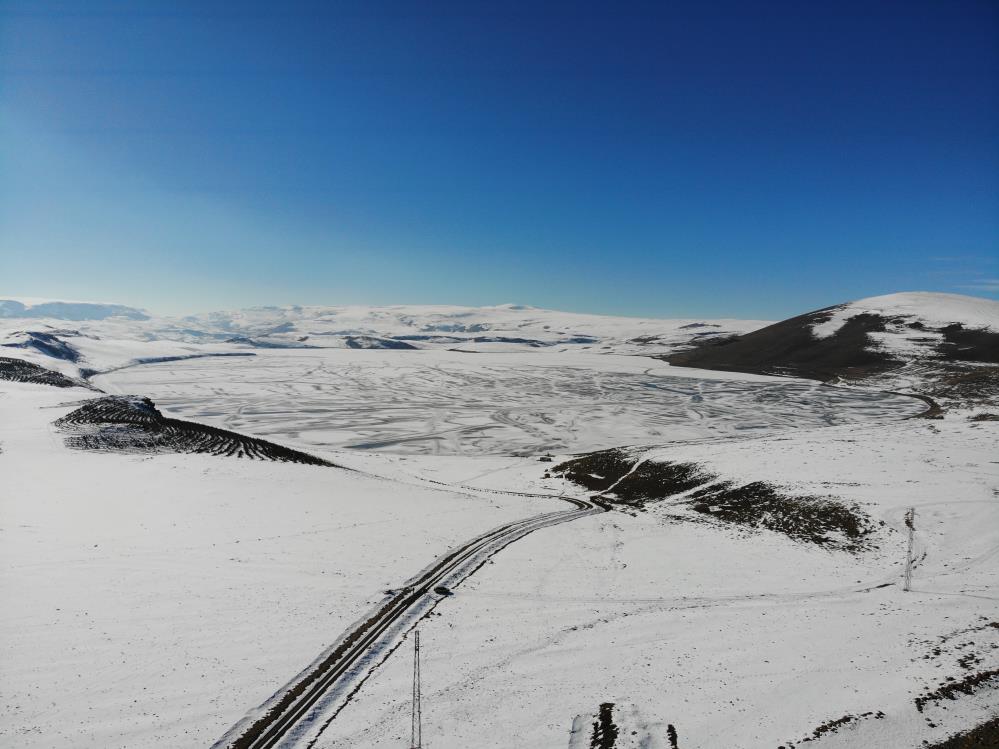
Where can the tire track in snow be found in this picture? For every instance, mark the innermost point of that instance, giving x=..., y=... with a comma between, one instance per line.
x=293, y=716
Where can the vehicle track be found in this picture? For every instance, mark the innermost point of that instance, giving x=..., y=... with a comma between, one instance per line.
x=288, y=718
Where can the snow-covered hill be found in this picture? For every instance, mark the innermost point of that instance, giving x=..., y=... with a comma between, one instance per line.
x=780, y=562
x=918, y=310
x=498, y=328
x=942, y=345
x=26, y=307
x=922, y=324
x=103, y=336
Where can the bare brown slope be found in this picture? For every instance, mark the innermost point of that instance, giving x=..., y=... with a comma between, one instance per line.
x=790, y=348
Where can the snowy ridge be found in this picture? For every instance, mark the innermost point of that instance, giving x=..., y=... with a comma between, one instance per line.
x=110, y=335
x=31, y=307
x=496, y=328
x=926, y=308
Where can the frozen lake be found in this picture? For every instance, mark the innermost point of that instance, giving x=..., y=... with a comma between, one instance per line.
x=452, y=403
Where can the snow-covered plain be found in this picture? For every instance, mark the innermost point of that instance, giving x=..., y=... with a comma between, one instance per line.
x=442, y=402
x=738, y=639
x=154, y=600
x=150, y=601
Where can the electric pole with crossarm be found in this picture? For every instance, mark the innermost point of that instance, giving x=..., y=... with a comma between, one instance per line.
x=416, y=741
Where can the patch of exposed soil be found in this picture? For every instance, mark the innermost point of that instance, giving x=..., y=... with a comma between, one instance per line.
x=596, y=471
x=133, y=424
x=969, y=344
x=819, y=520
x=985, y=736
x=18, y=370
x=963, y=383
x=832, y=726
x=952, y=687
x=636, y=483
x=624, y=480
x=790, y=348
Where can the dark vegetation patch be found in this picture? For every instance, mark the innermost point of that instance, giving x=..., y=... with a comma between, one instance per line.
x=605, y=730
x=984, y=417
x=832, y=726
x=964, y=383
x=18, y=370
x=625, y=481
x=817, y=520
x=985, y=736
x=635, y=483
x=132, y=424
x=952, y=687
x=596, y=471
x=969, y=344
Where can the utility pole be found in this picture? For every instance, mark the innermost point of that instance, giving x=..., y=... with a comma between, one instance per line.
x=910, y=518
x=416, y=740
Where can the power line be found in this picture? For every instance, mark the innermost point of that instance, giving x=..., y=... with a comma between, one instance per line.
x=910, y=518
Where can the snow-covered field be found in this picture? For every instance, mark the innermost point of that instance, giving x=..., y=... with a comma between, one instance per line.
x=441, y=402
x=153, y=600
x=150, y=601
x=738, y=639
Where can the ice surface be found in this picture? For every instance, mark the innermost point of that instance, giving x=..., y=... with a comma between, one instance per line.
x=439, y=402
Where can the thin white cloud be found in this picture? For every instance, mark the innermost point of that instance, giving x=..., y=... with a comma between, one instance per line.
x=985, y=284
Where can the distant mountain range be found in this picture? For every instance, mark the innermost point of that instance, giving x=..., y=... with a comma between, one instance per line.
x=945, y=346
x=500, y=328
x=41, y=309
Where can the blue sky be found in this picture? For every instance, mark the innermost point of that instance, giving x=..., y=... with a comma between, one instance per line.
x=664, y=159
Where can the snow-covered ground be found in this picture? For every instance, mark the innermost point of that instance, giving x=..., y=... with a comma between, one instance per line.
x=441, y=402
x=502, y=328
x=736, y=638
x=921, y=307
x=914, y=322
x=153, y=600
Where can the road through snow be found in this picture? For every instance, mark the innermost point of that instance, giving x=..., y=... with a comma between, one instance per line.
x=300, y=711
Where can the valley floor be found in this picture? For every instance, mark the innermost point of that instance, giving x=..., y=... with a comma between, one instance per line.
x=161, y=597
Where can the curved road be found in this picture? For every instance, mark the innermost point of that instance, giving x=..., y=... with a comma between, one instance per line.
x=297, y=714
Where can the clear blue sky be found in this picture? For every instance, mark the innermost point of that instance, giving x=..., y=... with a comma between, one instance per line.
x=750, y=159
